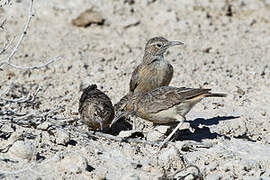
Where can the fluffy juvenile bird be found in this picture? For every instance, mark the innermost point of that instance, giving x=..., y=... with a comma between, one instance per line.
x=95, y=108
x=154, y=71
x=163, y=105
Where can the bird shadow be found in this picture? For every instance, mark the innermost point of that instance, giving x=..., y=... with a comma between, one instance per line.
x=211, y=121
x=203, y=133
x=121, y=125
x=185, y=134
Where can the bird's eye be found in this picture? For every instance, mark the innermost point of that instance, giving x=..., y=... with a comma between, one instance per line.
x=158, y=45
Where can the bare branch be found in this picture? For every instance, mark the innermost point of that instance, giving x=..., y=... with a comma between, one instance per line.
x=29, y=98
x=7, y=60
x=44, y=115
x=2, y=4
x=27, y=119
x=30, y=15
x=50, y=61
x=197, y=175
x=4, y=150
x=115, y=138
x=7, y=45
x=2, y=24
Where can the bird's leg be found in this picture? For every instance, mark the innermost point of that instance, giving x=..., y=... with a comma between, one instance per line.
x=101, y=126
x=181, y=120
x=171, y=134
x=133, y=122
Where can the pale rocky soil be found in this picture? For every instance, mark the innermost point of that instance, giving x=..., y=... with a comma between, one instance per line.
x=226, y=52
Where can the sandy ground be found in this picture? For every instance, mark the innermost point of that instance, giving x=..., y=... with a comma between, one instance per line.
x=228, y=51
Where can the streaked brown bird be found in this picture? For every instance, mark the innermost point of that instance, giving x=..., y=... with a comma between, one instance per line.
x=154, y=71
x=119, y=107
x=95, y=108
x=163, y=105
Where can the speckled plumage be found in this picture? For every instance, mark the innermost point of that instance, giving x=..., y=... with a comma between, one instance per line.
x=95, y=108
x=120, y=106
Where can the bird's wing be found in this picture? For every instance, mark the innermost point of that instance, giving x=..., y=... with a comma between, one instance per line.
x=83, y=98
x=121, y=103
x=101, y=101
x=134, y=81
x=87, y=93
x=170, y=75
x=165, y=97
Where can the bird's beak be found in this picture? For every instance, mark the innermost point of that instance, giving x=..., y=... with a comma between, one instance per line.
x=174, y=43
x=119, y=116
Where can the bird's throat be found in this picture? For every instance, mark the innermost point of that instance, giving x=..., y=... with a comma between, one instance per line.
x=148, y=59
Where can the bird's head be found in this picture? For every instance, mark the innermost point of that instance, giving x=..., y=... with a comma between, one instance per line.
x=86, y=87
x=125, y=107
x=158, y=45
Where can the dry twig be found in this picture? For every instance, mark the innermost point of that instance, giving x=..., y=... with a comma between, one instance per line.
x=115, y=138
x=26, y=119
x=7, y=60
x=7, y=45
x=30, y=15
x=29, y=98
x=198, y=175
x=2, y=24
x=4, y=3
x=4, y=150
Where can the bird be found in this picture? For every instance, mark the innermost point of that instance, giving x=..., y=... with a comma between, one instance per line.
x=119, y=107
x=163, y=105
x=154, y=71
x=95, y=108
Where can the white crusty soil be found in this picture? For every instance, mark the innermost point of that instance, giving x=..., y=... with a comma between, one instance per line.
x=226, y=51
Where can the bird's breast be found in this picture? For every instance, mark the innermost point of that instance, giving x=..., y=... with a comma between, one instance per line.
x=162, y=117
x=154, y=75
x=163, y=73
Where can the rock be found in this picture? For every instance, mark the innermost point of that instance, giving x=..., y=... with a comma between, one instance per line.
x=169, y=157
x=189, y=173
x=213, y=166
x=130, y=176
x=126, y=134
x=266, y=175
x=22, y=150
x=157, y=134
x=73, y=163
x=88, y=17
x=7, y=128
x=214, y=176
x=62, y=137
x=225, y=167
x=250, y=177
x=44, y=126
